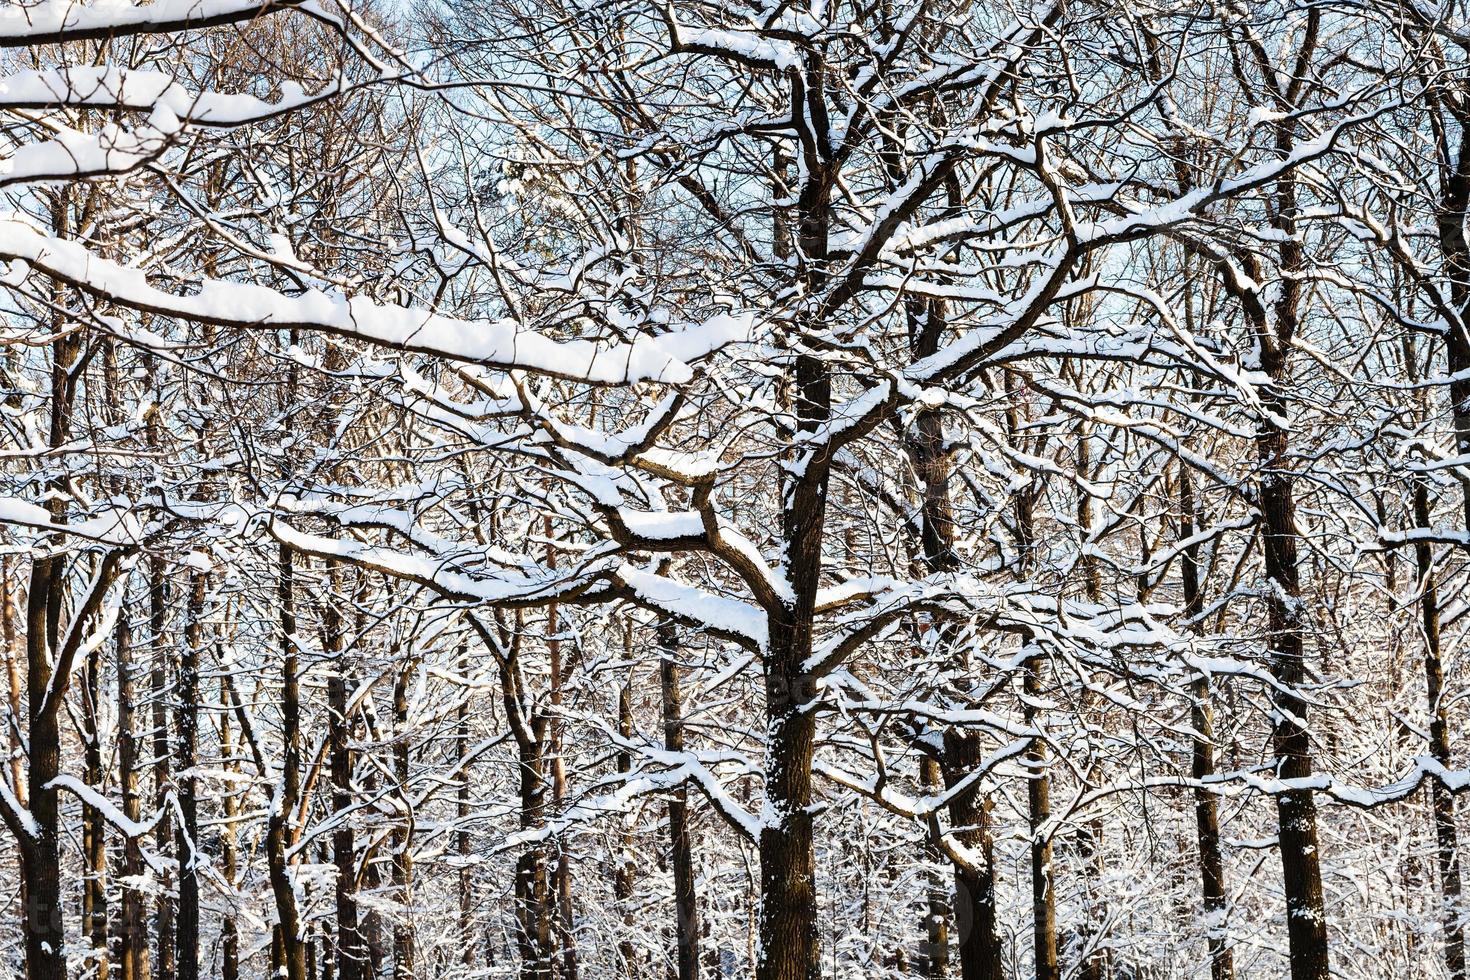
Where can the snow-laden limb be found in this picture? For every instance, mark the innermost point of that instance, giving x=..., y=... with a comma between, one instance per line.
x=729, y=618
x=701, y=530
x=877, y=602
x=111, y=87
x=864, y=699
x=73, y=155
x=17, y=817
x=921, y=807
x=1425, y=769
x=119, y=527
x=132, y=829
x=927, y=809
x=51, y=21
x=503, y=588
x=755, y=48
x=677, y=769
x=503, y=344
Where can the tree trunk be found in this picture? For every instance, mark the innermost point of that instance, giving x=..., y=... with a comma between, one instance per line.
x=1206, y=807
x=562, y=874
x=186, y=726
x=1442, y=801
x=403, y=938
x=45, y=928
x=133, y=925
x=935, y=959
x=973, y=901
x=1296, y=810
x=351, y=953
x=462, y=834
x=974, y=889
x=681, y=849
x=1038, y=791
x=533, y=919
x=162, y=753
x=788, y=908
x=94, y=825
x=292, y=949
x=229, y=848
x=625, y=864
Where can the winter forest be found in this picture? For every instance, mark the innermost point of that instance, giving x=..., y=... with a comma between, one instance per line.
x=776, y=489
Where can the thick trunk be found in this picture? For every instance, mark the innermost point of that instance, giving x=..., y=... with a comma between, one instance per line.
x=935, y=958
x=788, y=902
x=162, y=753
x=94, y=835
x=1202, y=718
x=1296, y=809
x=625, y=864
x=229, y=850
x=788, y=908
x=788, y=945
x=288, y=938
x=533, y=905
x=974, y=888
x=681, y=848
x=351, y=952
x=1043, y=896
x=462, y=834
x=403, y=933
x=1442, y=801
x=562, y=873
x=45, y=930
x=186, y=726
x=133, y=923
x=973, y=901
x=43, y=922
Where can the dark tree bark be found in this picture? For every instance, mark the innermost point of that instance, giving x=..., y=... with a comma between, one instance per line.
x=1038, y=786
x=789, y=942
x=533, y=901
x=45, y=928
x=47, y=681
x=562, y=873
x=974, y=888
x=624, y=862
x=1296, y=809
x=1442, y=801
x=1202, y=718
x=279, y=834
x=1038, y=794
x=94, y=825
x=50, y=661
x=351, y=952
x=229, y=847
x=973, y=900
x=132, y=929
x=186, y=725
x=681, y=847
x=935, y=959
x=462, y=844
x=1450, y=221
x=403, y=932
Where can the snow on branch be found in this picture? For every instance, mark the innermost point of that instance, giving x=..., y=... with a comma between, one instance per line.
x=498, y=343
x=55, y=21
